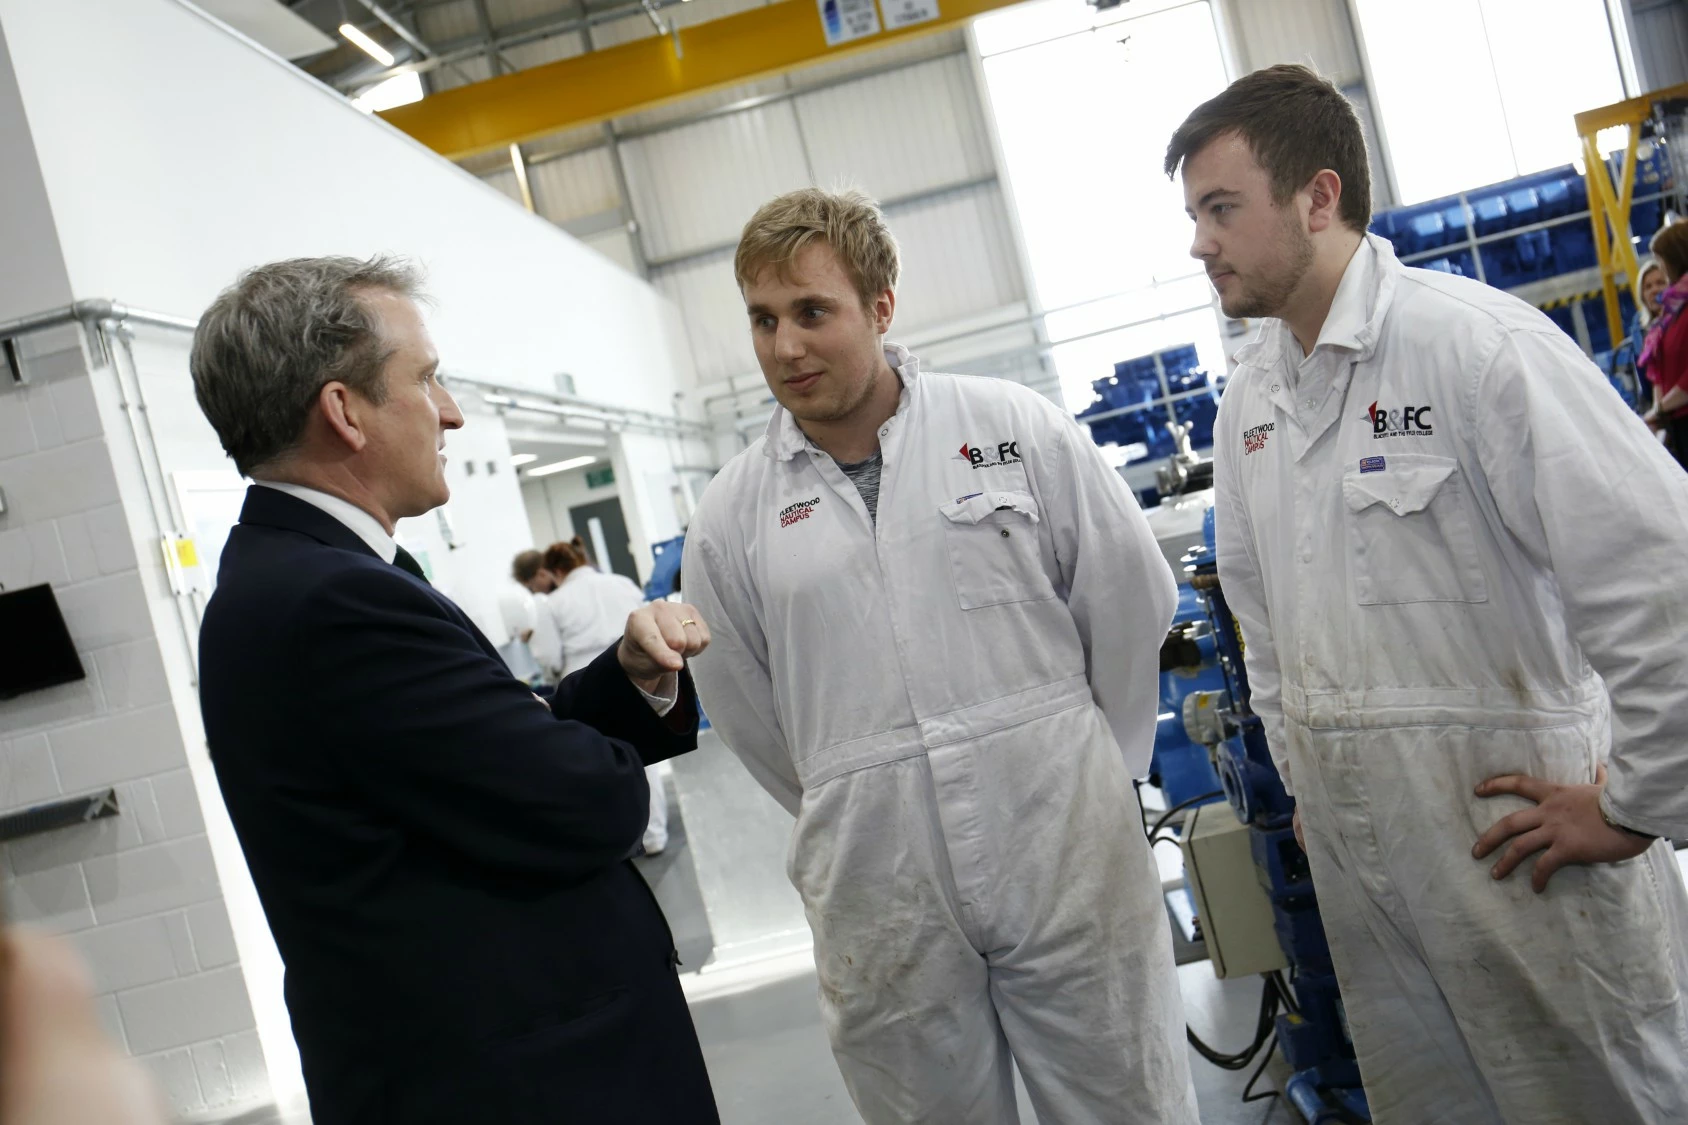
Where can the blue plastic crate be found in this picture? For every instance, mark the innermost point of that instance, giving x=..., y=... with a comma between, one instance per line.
x=1561, y=196
x=1490, y=213
x=1136, y=382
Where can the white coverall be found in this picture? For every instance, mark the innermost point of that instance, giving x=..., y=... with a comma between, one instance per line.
x=1429, y=530
x=953, y=705
x=587, y=612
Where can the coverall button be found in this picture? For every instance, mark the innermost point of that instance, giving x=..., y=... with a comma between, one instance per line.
x=1005, y=533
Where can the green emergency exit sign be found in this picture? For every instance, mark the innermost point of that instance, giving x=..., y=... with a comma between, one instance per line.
x=600, y=478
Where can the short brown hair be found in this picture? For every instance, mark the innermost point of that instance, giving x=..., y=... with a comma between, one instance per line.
x=526, y=566
x=848, y=221
x=1670, y=247
x=1297, y=123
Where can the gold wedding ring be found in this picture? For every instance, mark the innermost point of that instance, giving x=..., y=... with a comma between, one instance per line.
x=687, y=621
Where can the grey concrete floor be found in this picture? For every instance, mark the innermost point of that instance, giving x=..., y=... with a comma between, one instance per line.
x=768, y=1056
x=770, y=1065
x=673, y=879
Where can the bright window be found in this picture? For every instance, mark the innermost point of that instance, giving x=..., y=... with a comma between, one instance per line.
x=1085, y=103
x=1471, y=92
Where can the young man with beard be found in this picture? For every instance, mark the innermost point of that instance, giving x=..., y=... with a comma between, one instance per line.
x=1449, y=546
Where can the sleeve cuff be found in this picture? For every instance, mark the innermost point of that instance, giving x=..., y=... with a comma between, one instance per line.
x=667, y=694
x=1646, y=826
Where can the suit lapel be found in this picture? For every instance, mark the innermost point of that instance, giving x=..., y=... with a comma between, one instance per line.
x=269, y=507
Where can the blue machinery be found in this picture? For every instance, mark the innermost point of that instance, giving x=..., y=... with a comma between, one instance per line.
x=665, y=568
x=1120, y=414
x=1208, y=739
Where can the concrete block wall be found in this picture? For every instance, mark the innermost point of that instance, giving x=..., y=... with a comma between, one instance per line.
x=137, y=894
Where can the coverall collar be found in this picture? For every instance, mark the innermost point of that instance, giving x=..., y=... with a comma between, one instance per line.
x=786, y=438
x=1356, y=316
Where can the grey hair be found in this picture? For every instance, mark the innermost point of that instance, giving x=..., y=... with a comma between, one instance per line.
x=271, y=341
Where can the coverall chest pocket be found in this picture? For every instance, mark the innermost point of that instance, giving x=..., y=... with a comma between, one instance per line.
x=1410, y=537
x=993, y=551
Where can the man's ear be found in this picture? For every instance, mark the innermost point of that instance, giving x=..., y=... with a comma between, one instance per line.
x=1325, y=194
x=883, y=308
x=346, y=414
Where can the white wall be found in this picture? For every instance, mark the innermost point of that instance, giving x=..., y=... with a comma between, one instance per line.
x=549, y=498
x=223, y=158
x=32, y=273
x=485, y=510
x=647, y=482
x=139, y=895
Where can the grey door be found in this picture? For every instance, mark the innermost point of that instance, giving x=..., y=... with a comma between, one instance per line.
x=614, y=528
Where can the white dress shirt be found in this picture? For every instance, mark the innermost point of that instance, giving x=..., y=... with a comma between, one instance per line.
x=361, y=523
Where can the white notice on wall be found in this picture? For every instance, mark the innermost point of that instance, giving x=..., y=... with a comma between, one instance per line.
x=903, y=13
x=845, y=20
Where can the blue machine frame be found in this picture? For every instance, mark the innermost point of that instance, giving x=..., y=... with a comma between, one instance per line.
x=1314, y=1039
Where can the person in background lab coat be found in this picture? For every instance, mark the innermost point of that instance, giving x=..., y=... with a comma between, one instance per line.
x=584, y=606
x=937, y=616
x=1452, y=552
x=543, y=643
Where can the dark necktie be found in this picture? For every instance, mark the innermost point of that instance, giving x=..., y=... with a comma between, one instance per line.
x=405, y=561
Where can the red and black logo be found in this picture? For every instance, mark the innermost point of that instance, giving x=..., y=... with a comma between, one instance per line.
x=801, y=510
x=1003, y=453
x=1409, y=421
x=1254, y=440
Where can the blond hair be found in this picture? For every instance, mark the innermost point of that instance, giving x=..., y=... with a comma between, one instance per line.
x=1648, y=265
x=847, y=221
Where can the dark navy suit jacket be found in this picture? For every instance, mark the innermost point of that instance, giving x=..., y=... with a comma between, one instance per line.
x=443, y=859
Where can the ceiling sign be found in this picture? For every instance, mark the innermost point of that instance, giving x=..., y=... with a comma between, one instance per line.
x=848, y=20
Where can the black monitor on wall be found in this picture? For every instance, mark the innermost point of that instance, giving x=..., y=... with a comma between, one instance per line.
x=35, y=647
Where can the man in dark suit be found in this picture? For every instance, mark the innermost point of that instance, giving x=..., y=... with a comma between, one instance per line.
x=442, y=857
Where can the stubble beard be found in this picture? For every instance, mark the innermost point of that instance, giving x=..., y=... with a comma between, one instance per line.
x=1268, y=294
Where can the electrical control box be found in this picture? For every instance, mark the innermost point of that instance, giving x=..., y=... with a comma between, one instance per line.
x=1236, y=916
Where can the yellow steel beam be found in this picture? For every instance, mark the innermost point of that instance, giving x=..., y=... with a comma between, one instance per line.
x=1609, y=204
x=596, y=86
x=1626, y=112
x=1609, y=212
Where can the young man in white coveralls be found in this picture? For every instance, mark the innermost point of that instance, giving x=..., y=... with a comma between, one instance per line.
x=1452, y=551
x=937, y=616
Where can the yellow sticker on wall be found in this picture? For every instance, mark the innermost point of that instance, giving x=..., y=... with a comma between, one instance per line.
x=186, y=554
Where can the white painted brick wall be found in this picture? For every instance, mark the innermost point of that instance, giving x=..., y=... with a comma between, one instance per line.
x=137, y=894
x=178, y=1013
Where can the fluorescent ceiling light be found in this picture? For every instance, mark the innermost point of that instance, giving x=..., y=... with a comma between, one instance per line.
x=521, y=459
x=560, y=466
x=400, y=89
x=370, y=47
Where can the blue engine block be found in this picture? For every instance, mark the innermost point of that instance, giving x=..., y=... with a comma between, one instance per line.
x=1314, y=1038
